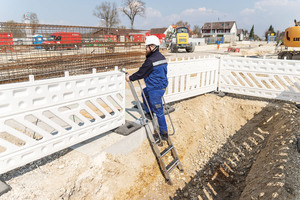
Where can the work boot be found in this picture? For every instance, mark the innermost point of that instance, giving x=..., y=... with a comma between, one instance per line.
x=156, y=136
x=164, y=135
x=148, y=116
x=157, y=140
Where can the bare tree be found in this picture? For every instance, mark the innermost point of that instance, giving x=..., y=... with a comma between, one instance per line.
x=132, y=8
x=109, y=13
x=14, y=28
x=197, y=30
x=182, y=23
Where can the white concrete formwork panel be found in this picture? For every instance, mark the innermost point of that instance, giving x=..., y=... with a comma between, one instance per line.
x=276, y=79
x=191, y=77
x=39, y=118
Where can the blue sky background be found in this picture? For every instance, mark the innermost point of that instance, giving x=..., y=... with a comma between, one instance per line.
x=162, y=13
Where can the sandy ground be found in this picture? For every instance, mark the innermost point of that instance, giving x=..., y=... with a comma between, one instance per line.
x=231, y=147
x=254, y=49
x=247, y=153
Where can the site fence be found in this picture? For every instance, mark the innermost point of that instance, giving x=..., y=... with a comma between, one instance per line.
x=40, y=117
x=46, y=51
x=267, y=78
x=191, y=77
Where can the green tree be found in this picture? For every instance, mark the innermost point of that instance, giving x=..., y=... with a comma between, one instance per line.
x=132, y=8
x=251, y=35
x=270, y=31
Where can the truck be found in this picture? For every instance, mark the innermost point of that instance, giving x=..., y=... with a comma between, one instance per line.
x=63, y=40
x=291, y=43
x=180, y=40
x=6, y=42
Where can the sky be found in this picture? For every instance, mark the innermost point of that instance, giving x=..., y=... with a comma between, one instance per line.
x=161, y=13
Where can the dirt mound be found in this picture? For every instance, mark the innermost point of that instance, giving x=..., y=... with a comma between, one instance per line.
x=230, y=148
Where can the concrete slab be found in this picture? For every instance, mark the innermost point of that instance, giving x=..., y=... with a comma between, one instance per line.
x=128, y=128
x=129, y=143
x=4, y=188
x=97, y=144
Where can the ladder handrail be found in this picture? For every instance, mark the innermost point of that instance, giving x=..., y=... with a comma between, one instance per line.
x=166, y=169
x=169, y=117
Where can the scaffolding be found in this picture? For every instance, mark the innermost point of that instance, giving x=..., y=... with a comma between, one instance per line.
x=47, y=51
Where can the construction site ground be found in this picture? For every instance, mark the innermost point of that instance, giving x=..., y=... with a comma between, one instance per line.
x=231, y=147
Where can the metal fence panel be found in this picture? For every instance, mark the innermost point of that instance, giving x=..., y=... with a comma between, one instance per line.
x=38, y=118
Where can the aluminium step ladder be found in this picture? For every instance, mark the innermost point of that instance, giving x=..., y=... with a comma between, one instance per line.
x=155, y=142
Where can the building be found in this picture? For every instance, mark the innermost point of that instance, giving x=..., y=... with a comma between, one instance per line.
x=241, y=34
x=228, y=30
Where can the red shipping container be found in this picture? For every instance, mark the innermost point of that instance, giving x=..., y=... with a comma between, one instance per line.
x=6, y=42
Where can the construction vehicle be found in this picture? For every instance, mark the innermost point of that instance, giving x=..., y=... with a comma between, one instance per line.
x=291, y=43
x=180, y=40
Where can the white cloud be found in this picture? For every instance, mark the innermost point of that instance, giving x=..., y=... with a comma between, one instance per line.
x=152, y=12
x=153, y=19
x=247, y=11
x=278, y=13
x=201, y=10
x=265, y=4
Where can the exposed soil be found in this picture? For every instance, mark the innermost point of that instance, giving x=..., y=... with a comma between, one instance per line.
x=230, y=147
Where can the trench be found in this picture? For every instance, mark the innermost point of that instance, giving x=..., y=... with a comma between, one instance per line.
x=231, y=148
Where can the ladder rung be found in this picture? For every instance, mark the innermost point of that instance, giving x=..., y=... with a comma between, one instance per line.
x=164, y=152
x=157, y=141
x=172, y=165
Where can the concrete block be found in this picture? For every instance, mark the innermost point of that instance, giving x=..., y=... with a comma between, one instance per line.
x=4, y=188
x=128, y=128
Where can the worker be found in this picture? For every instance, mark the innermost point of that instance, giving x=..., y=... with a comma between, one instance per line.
x=154, y=73
x=218, y=44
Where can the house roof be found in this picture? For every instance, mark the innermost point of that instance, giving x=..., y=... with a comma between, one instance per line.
x=218, y=25
x=239, y=31
x=157, y=30
x=117, y=31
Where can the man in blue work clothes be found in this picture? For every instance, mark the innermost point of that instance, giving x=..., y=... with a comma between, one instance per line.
x=154, y=73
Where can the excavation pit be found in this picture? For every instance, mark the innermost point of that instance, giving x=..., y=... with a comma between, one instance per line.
x=231, y=147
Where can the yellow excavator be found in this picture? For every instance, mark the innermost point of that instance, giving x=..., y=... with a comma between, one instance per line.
x=292, y=43
x=180, y=40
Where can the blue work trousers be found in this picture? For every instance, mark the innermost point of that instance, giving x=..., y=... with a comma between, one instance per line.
x=154, y=99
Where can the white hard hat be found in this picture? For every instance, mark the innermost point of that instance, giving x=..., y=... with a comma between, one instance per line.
x=152, y=39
